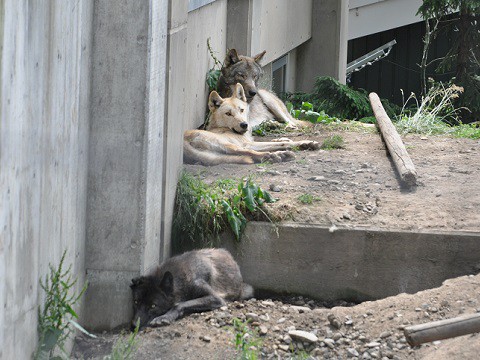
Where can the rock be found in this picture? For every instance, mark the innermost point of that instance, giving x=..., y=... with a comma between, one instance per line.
x=334, y=321
x=262, y=330
x=385, y=334
x=372, y=344
x=252, y=317
x=337, y=336
x=284, y=347
x=275, y=188
x=281, y=320
x=352, y=352
x=205, y=338
x=317, y=178
x=301, y=335
x=329, y=342
x=300, y=309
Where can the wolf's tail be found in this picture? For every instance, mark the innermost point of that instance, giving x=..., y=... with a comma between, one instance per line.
x=247, y=291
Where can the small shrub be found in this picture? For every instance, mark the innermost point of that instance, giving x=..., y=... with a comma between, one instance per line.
x=56, y=317
x=333, y=142
x=308, y=198
x=203, y=211
x=433, y=114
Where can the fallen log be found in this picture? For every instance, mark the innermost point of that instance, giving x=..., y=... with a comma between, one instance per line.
x=394, y=143
x=443, y=329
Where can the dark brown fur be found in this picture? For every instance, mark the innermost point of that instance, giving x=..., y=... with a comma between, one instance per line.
x=195, y=281
x=264, y=105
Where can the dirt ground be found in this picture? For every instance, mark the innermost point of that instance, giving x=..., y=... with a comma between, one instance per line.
x=353, y=187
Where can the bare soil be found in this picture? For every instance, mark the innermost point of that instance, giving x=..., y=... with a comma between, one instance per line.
x=353, y=187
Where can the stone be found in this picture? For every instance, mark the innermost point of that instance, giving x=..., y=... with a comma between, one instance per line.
x=372, y=344
x=351, y=352
x=252, y=317
x=207, y=339
x=301, y=335
x=262, y=330
x=284, y=347
x=329, y=342
x=300, y=309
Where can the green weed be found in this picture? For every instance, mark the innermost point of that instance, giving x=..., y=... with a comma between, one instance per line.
x=125, y=346
x=333, y=142
x=56, y=318
x=308, y=198
x=247, y=341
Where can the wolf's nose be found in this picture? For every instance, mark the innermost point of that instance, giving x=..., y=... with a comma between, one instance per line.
x=244, y=125
x=252, y=93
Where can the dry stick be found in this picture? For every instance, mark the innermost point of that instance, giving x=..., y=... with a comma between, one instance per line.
x=443, y=329
x=395, y=146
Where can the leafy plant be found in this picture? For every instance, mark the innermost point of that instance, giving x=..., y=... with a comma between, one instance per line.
x=125, y=347
x=333, y=142
x=214, y=73
x=338, y=100
x=306, y=112
x=56, y=318
x=203, y=211
x=308, y=198
x=246, y=340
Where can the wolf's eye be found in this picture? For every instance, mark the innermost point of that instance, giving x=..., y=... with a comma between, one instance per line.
x=135, y=302
x=229, y=113
x=242, y=110
x=153, y=306
x=241, y=76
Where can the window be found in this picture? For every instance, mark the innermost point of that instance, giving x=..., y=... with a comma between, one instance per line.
x=279, y=75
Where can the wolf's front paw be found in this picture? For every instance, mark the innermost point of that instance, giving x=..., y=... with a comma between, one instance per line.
x=272, y=157
x=164, y=320
x=286, y=155
x=308, y=145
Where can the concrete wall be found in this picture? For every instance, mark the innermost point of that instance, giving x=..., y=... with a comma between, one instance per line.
x=209, y=21
x=326, y=52
x=45, y=72
x=371, y=16
x=127, y=154
x=275, y=26
x=351, y=264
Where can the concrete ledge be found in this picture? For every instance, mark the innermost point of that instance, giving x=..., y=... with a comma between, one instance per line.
x=351, y=264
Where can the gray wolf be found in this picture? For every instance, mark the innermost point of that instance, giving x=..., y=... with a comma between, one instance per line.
x=195, y=281
x=264, y=105
x=228, y=138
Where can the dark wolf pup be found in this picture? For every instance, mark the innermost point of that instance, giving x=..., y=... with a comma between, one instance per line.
x=264, y=105
x=195, y=281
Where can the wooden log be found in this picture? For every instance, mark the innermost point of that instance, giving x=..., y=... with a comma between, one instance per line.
x=443, y=329
x=394, y=143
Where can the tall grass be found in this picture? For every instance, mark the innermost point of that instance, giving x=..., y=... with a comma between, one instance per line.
x=435, y=114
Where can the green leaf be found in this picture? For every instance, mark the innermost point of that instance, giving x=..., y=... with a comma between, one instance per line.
x=249, y=195
x=268, y=198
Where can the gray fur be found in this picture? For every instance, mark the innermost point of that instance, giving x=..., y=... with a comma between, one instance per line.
x=264, y=105
x=195, y=281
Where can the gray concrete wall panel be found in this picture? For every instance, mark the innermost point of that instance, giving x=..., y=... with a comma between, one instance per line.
x=325, y=54
x=209, y=21
x=351, y=264
x=43, y=156
x=127, y=153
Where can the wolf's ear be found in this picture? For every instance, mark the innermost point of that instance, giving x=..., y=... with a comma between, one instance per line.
x=167, y=283
x=214, y=101
x=239, y=93
x=231, y=58
x=259, y=57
